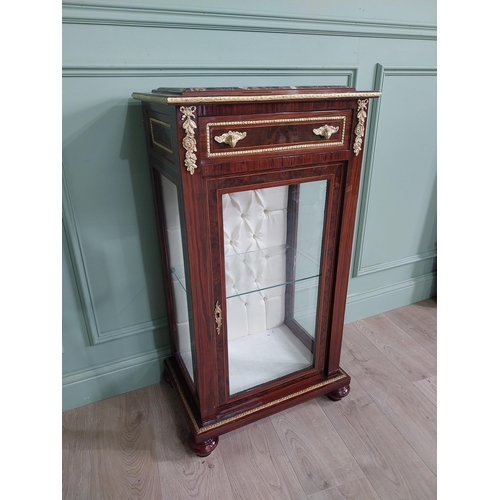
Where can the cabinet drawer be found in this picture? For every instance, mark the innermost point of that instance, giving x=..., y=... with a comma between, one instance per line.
x=226, y=136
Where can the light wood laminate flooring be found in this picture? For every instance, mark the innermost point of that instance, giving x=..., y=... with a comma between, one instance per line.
x=378, y=443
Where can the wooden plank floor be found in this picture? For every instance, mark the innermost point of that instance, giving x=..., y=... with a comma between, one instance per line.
x=378, y=443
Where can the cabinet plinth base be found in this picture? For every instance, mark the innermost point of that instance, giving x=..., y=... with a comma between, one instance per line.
x=339, y=393
x=204, y=448
x=204, y=437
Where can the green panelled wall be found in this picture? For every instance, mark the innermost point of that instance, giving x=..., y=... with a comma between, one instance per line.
x=115, y=332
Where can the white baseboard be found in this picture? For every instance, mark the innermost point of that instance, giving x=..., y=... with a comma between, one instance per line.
x=379, y=300
x=111, y=380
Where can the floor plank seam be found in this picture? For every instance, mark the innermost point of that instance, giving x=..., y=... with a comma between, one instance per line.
x=428, y=396
x=390, y=360
x=346, y=442
x=289, y=461
x=132, y=446
x=396, y=427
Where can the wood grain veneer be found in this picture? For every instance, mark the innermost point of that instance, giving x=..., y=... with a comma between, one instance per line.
x=280, y=149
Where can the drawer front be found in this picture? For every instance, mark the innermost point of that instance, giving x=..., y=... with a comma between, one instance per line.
x=226, y=136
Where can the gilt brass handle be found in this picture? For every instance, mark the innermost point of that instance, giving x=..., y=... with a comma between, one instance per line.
x=326, y=131
x=230, y=138
x=218, y=317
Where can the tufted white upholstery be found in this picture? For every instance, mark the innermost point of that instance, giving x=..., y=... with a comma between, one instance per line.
x=254, y=245
x=261, y=347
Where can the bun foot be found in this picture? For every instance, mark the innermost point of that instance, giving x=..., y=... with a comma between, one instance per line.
x=202, y=449
x=339, y=393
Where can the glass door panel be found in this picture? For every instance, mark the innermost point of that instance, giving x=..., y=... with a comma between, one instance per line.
x=273, y=239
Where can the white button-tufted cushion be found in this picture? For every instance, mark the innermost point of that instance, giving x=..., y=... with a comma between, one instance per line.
x=254, y=244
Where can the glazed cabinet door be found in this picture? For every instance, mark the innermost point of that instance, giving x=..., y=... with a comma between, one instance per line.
x=273, y=240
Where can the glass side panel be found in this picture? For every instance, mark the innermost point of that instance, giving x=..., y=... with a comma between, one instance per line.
x=176, y=254
x=273, y=239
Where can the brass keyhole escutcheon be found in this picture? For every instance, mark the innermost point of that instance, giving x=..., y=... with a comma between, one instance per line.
x=218, y=317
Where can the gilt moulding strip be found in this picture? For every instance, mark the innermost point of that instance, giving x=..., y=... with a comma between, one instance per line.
x=359, y=131
x=140, y=16
x=285, y=121
x=189, y=141
x=206, y=428
x=215, y=99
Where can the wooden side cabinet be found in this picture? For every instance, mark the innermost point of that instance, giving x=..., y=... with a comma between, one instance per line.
x=256, y=192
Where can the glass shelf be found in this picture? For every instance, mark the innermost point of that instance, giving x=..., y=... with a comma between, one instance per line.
x=179, y=275
x=259, y=270
x=265, y=269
